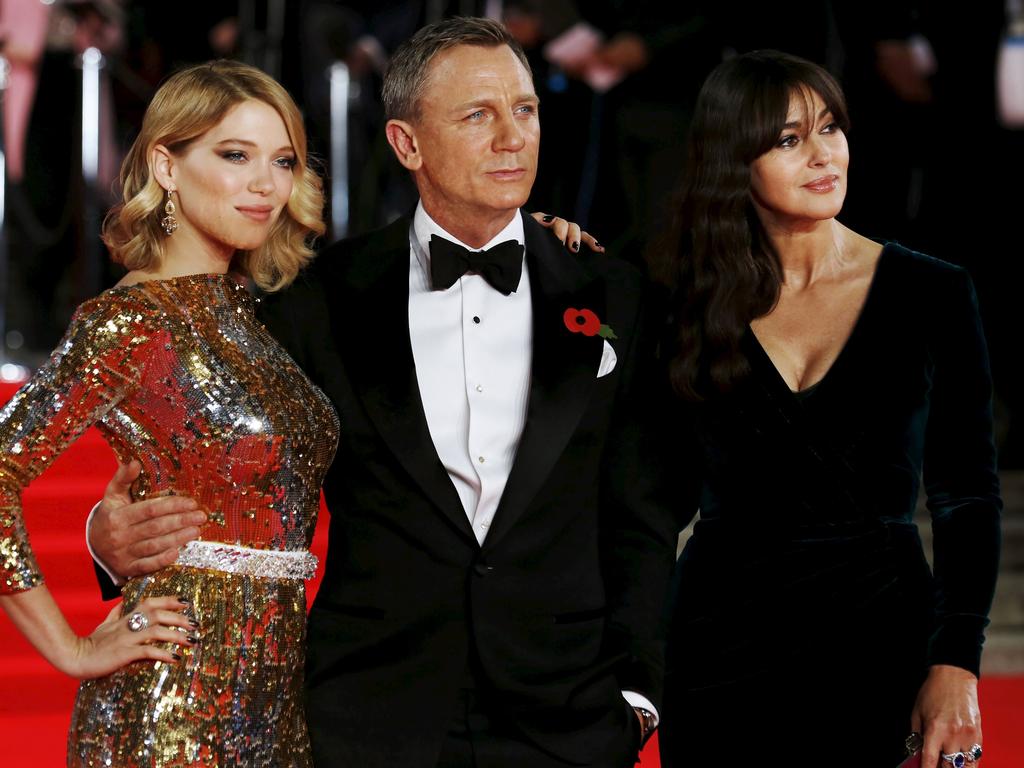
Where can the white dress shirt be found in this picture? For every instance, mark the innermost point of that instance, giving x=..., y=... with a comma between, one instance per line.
x=473, y=349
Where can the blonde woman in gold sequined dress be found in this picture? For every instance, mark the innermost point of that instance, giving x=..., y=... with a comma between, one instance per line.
x=202, y=663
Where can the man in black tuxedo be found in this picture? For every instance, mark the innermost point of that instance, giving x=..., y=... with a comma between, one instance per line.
x=499, y=541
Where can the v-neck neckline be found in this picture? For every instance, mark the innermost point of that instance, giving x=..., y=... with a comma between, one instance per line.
x=850, y=339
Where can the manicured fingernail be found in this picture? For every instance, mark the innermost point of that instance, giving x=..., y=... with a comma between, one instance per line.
x=575, y=246
x=184, y=601
x=193, y=639
x=193, y=623
x=176, y=656
x=548, y=219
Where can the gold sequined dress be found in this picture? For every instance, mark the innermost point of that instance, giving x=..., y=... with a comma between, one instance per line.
x=180, y=375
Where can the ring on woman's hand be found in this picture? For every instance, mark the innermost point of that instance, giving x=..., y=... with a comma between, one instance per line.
x=913, y=742
x=974, y=753
x=956, y=759
x=138, y=621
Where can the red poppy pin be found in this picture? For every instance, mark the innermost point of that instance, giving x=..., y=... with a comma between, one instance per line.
x=586, y=322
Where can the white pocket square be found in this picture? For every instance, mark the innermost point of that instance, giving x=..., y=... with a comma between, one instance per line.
x=608, y=359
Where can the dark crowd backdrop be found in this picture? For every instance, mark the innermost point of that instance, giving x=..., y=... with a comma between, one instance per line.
x=932, y=166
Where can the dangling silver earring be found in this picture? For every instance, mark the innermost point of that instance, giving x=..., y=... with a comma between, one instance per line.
x=168, y=222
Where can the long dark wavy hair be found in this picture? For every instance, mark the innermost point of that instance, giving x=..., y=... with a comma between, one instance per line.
x=716, y=257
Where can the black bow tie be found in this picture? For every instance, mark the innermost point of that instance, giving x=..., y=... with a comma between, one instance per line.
x=501, y=265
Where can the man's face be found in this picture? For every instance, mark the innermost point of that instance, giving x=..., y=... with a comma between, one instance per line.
x=478, y=134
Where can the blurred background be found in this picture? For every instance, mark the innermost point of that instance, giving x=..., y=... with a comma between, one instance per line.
x=936, y=162
x=933, y=164
x=936, y=97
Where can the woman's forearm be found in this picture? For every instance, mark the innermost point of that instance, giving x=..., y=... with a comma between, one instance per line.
x=37, y=616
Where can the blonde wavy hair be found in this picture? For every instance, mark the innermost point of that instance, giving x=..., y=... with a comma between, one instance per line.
x=186, y=106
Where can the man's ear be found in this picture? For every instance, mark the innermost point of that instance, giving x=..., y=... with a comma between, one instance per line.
x=161, y=166
x=402, y=138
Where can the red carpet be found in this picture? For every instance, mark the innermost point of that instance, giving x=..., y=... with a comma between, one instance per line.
x=35, y=700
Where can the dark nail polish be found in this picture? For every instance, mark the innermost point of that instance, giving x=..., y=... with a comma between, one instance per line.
x=575, y=246
x=184, y=601
x=193, y=639
x=193, y=623
x=176, y=656
x=548, y=219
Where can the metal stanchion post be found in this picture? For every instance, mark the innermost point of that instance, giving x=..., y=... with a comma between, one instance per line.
x=9, y=371
x=261, y=47
x=340, y=82
x=252, y=42
x=273, y=37
x=5, y=279
x=92, y=62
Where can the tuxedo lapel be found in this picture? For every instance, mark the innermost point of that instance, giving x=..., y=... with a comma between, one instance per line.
x=563, y=372
x=375, y=327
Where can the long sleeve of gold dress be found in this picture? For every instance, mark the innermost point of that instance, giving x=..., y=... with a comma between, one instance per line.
x=179, y=375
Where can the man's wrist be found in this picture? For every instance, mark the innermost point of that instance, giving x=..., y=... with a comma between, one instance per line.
x=117, y=580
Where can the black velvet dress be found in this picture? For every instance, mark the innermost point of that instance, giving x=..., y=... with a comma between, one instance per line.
x=805, y=615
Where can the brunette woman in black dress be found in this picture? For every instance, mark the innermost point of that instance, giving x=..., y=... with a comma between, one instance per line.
x=822, y=372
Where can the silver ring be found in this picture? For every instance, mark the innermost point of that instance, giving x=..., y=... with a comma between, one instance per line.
x=956, y=759
x=138, y=621
x=974, y=753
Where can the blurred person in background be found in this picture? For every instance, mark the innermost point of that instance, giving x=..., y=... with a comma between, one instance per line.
x=45, y=194
x=618, y=81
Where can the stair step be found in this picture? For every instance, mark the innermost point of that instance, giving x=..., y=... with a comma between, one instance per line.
x=1004, y=652
x=1012, y=485
x=1008, y=606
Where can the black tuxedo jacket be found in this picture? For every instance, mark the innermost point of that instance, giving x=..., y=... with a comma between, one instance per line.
x=560, y=609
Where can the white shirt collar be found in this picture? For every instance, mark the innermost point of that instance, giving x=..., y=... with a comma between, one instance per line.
x=423, y=227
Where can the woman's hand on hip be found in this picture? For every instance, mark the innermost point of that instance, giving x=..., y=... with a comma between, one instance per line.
x=120, y=640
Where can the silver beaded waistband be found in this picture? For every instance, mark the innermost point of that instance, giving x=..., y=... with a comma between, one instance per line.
x=245, y=561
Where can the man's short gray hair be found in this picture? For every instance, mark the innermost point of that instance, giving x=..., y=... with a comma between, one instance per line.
x=410, y=65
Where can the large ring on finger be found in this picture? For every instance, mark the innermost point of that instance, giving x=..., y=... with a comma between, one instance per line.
x=974, y=753
x=956, y=759
x=913, y=743
x=138, y=621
